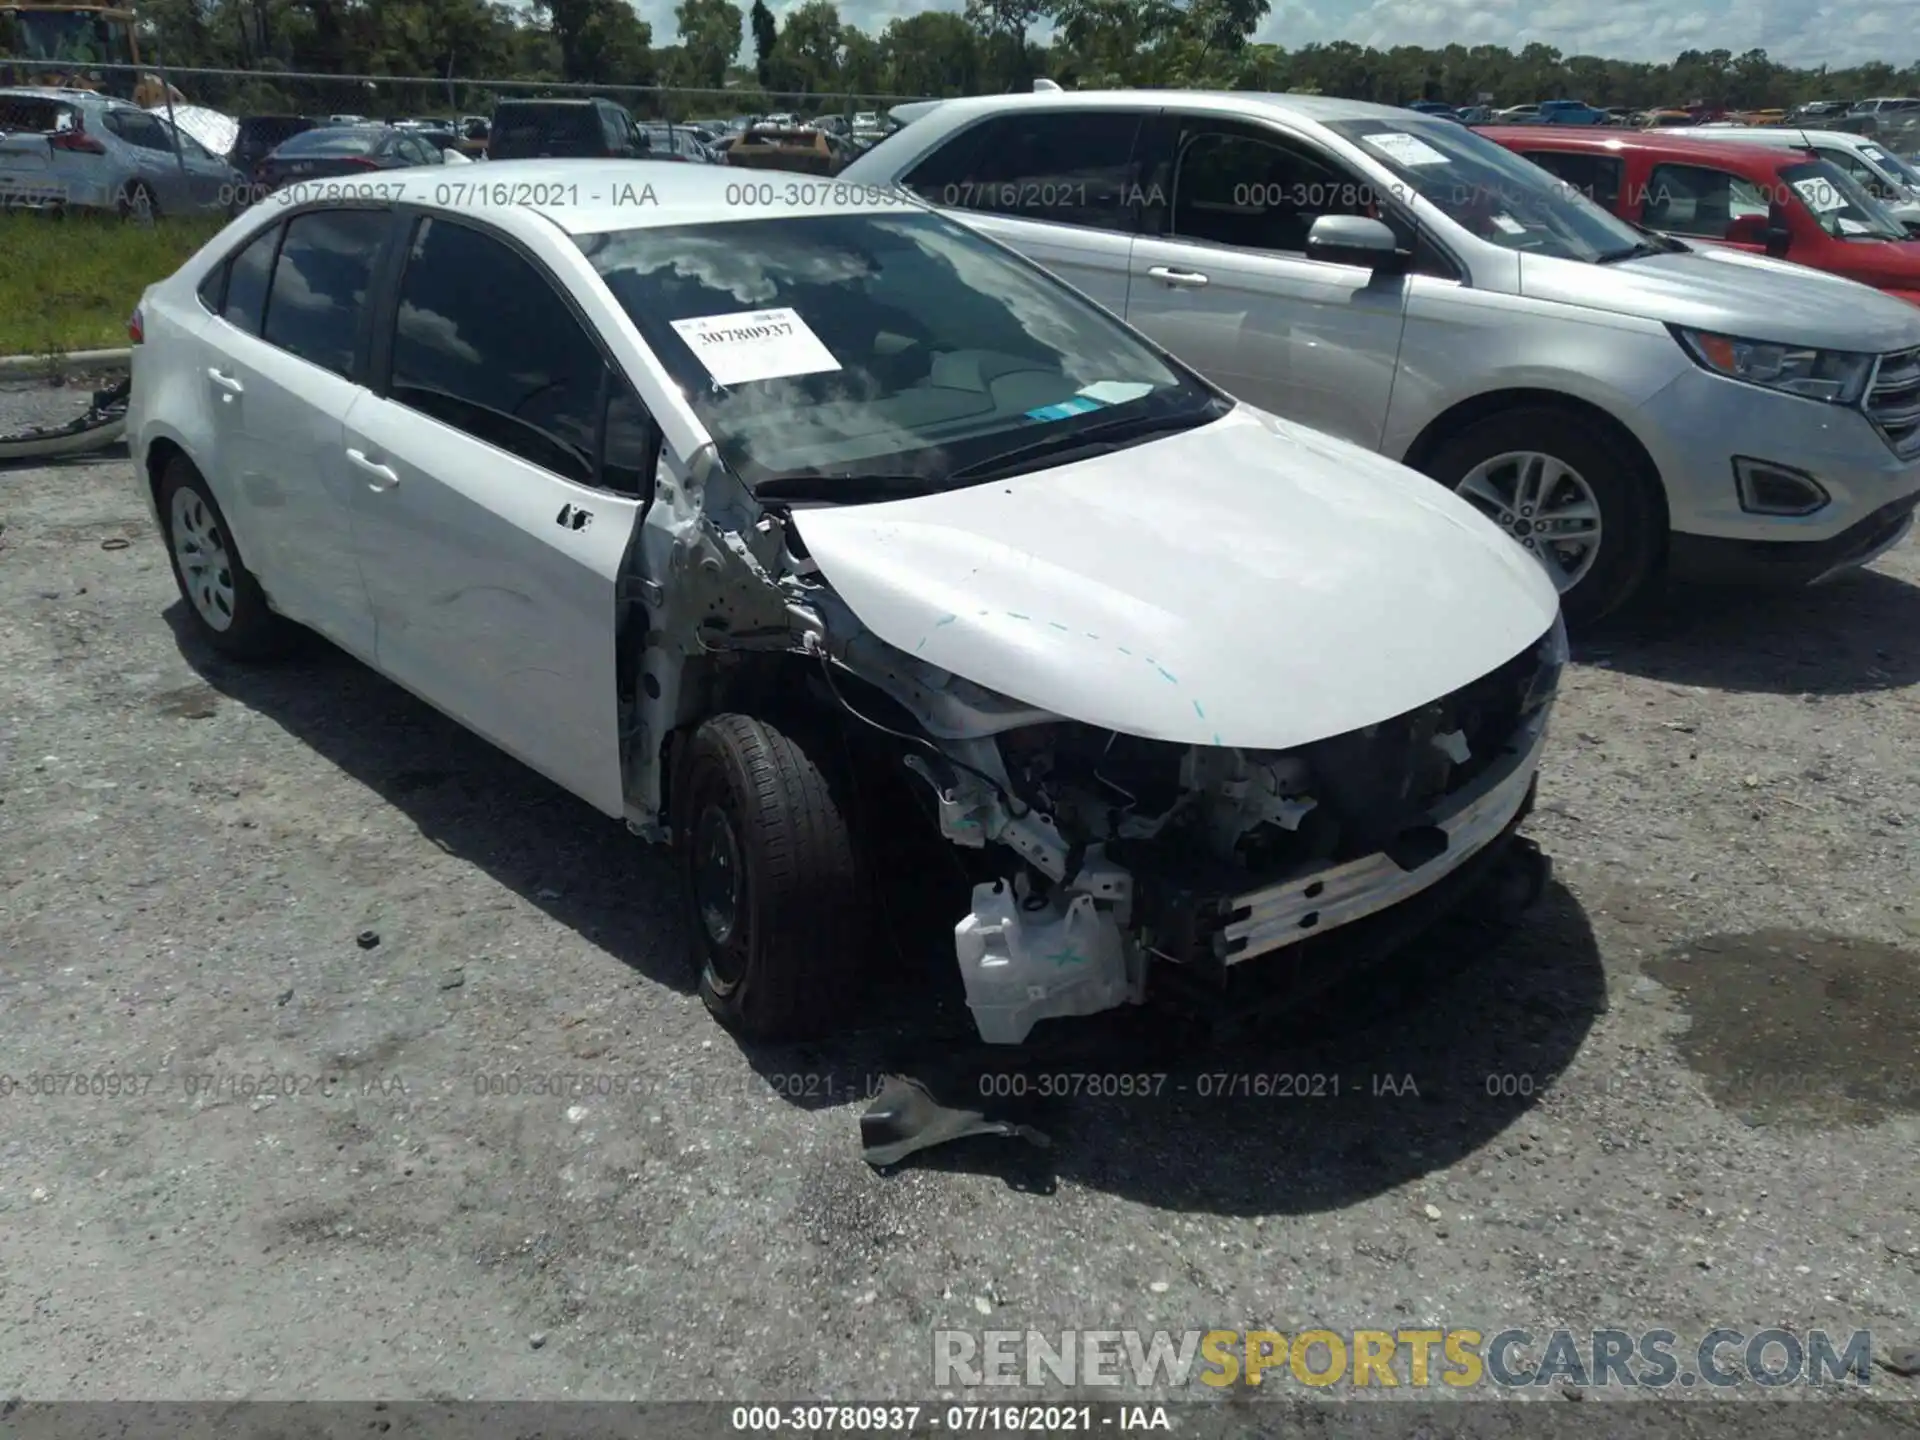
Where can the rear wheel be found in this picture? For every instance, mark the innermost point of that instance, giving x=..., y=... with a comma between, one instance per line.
x=1567, y=494
x=228, y=608
x=776, y=906
x=137, y=202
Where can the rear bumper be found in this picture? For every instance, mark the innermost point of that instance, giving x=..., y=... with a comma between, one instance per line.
x=1710, y=559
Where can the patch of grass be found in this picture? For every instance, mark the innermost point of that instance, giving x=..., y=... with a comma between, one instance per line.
x=69, y=283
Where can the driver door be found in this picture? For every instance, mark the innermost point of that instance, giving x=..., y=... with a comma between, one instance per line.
x=497, y=466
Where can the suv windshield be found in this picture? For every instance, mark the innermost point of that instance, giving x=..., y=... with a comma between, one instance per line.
x=1489, y=191
x=834, y=347
x=1838, y=203
x=1894, y=165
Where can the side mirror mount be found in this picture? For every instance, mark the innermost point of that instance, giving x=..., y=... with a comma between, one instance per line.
x=1355, y=240
x=1747, y=230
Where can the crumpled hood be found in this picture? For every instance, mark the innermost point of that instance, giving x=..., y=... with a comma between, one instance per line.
x=1250, y=583
x=1732, y=292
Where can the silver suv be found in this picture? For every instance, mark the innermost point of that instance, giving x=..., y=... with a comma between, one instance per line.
x=76, y=150
x=1615, y=400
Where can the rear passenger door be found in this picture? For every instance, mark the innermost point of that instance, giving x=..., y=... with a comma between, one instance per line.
x=1061, y=187
x=500, y=465
x=283, y=365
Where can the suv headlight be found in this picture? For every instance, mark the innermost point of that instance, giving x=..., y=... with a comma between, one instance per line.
x=1836, y=376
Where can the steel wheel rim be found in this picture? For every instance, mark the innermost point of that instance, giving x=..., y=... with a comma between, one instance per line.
x=1544, y=505
x=717, y=883
x=206, y=569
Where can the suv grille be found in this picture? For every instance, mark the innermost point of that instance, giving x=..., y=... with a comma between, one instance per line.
x=1893, y=401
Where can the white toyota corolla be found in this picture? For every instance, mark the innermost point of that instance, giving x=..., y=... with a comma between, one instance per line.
x=703, y=497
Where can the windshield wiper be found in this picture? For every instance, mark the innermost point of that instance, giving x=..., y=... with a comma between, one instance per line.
x=856, y=486
x=848, y=485
x=1631, y=252
x=1107, y=435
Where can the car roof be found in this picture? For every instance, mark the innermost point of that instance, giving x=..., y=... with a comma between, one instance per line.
x=1658, y=142
x=593, y=196
x=1319, y=108
x=1793, y=135
x=66, y=93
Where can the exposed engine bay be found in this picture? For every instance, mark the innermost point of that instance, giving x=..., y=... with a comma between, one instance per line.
x=1109, y=854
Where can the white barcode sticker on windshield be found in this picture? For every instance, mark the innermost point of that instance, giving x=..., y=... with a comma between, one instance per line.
x=1820, y=194
x=1404, y=148
x=754, y=345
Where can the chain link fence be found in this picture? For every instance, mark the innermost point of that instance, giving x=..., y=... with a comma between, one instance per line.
x=397, y=97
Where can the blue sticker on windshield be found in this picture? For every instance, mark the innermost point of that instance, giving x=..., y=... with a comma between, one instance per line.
x=1078, y=405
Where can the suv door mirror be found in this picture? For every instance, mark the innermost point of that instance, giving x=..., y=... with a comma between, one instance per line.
x=1354, y=240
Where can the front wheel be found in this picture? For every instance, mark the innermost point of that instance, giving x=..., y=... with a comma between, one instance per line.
x=1563, y=491
x=774, y=892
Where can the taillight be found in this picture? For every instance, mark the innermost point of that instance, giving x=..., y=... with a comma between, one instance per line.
x=76, y=141
x=136, y=327
x=361, y=162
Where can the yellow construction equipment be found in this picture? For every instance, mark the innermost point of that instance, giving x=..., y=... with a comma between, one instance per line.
x=70, y=42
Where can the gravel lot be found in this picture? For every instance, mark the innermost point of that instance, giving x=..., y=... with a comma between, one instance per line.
x=1717, y=1013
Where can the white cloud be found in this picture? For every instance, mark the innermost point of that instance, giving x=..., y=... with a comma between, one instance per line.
x=1792, y=32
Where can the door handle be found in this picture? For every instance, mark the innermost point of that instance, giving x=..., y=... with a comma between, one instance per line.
x=383, y=477
x=225, y=381
x=1178, y=279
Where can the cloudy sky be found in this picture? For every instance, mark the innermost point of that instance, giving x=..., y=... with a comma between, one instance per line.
x=1794, y=32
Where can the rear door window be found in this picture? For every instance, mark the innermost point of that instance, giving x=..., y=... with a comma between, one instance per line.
x=138, y=128
x=1064, y=168
x=320, y=285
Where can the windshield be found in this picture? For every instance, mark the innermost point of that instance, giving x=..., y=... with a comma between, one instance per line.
x=1486, y=189
x=1838, y=203
x=1893, y=165
x=838, y=346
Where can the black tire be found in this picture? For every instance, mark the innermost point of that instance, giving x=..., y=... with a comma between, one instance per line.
x=138, y=202
x=252, y=631
x=1632, y=520
x=779, y=961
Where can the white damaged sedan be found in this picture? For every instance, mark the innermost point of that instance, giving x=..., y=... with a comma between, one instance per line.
x=714, y=502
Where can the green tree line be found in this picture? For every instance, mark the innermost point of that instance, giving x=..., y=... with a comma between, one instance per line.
x=812, y=59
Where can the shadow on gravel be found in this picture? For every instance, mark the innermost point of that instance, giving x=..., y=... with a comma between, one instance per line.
x=473, y=801
x=1852, y=635
x=1404, y=1069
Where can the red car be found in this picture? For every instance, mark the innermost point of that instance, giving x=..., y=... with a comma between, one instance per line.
x=1781, y=202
